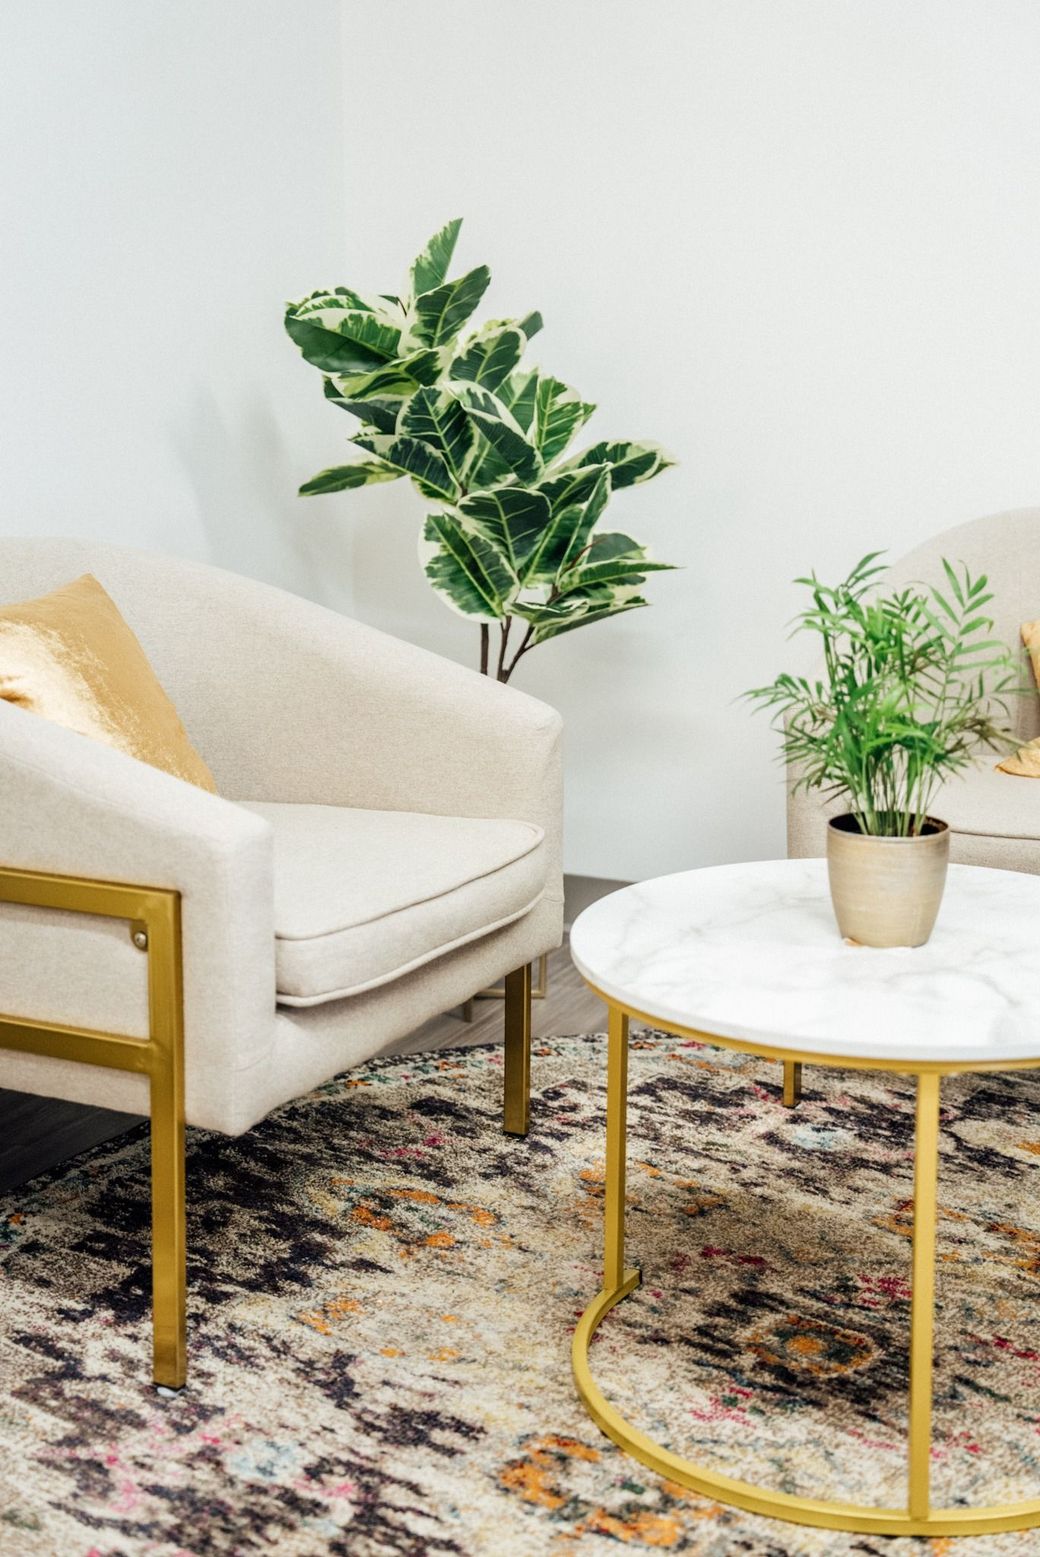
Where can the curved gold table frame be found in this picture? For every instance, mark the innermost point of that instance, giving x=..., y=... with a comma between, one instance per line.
x=918, y=1517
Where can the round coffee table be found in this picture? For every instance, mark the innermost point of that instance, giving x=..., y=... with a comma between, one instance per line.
x=749, y=957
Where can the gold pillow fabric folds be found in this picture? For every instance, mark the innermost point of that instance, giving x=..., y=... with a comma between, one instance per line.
x=71, y=657
x=1025, y=762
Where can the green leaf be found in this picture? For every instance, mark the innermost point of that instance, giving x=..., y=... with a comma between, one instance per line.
x=330, y=352
x=611, y=559
x=518, y=393
x=576, y=499
x=332, y=313
x=490, y=356
x=531, y=323
x=467, y=569
x=558, y=413
x=431, y=266
x=438, y=419
x=629, y=462
x=513, y=518
x=394, y=378
x=563, y=616
x=378, y=413
x=438, y=316
x=412, y=458
x=342, y=478
x=348, y=297
x=496, y=424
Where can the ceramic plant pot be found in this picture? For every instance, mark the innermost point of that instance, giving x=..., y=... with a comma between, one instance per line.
x=886, y=891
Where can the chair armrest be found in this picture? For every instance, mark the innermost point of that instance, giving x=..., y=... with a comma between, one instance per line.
x=75, y=807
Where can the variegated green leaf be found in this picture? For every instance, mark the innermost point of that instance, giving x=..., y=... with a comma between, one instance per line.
x=558, y=412
x=343, y=477
x=431, y=266
x=393, y=378
x=518, y=393
x=364, y=329
x=379, y=413
x=498, y=427
x=438, y=316
x=513, y=517
x=576, y=500
x=531, y=323
x=563, y=616
x=629, y=462
x=438, y=419
x=426, y=467
x=610, y=559
x=467, y=569
x=348, y=297
x=330, y=352
x=490, y=356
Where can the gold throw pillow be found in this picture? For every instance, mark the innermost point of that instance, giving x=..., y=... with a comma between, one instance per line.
x=1025, y=762
x=71, y=657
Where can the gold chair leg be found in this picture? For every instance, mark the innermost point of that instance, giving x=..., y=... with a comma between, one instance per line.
x=792, y=1083
x=517, y=1110
x=152, y=915
x=169, y=1298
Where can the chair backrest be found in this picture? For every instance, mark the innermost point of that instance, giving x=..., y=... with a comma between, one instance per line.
x=166, y=600
x=1006, y=547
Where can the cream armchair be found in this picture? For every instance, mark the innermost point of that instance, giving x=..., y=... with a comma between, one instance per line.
x=386, y=842
x=994, y=817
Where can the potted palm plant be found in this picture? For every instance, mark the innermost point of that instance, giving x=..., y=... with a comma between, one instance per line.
x=913, y=686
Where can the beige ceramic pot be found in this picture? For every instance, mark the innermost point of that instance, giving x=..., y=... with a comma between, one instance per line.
x=886, y=891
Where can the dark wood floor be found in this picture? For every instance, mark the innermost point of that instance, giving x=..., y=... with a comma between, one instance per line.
x=37, y=1133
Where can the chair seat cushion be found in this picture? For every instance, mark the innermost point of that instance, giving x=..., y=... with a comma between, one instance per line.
x=362, y=897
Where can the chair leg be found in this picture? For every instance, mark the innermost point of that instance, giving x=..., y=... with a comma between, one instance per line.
x=517, y=1110
x=169, y=1323
x=792, y=1083
x=169, y=1276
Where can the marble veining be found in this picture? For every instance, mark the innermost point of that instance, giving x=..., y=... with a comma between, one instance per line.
x=752, y=951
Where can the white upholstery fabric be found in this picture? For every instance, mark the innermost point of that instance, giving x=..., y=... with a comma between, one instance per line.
x=362, y=897
x=287, y=702
x=994, y=817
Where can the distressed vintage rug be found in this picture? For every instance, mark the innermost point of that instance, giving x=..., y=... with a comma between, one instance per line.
x=382, y=1289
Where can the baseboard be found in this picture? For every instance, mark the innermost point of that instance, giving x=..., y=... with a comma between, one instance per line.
x=580, y=891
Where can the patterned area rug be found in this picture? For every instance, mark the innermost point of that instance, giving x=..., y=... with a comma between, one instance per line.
x=382, y=1289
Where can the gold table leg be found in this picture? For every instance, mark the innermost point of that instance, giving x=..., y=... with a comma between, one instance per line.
x=922, y=1302
x=792, y=1083
x=918, y=1517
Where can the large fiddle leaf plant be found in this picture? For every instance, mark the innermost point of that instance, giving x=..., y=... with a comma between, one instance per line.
x=511, y=536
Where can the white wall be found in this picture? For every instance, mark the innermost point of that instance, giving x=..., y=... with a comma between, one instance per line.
x=796, y=241
x=169, y=175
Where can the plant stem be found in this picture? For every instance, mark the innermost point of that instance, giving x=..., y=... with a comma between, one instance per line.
x=485, y=647
x=525, y=644
x=504, y=628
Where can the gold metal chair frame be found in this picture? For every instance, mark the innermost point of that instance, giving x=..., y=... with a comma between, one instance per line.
x=154, y=920
x=919, y=1517
x=154, y=923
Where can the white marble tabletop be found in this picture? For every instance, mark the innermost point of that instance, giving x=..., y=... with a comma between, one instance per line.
x=753, y=952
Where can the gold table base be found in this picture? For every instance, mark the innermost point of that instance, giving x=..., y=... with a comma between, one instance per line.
x=919, y=1517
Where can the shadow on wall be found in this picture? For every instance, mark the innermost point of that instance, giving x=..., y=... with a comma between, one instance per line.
x=242, y=473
